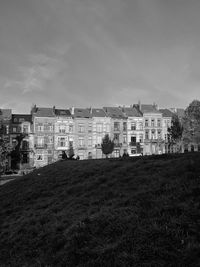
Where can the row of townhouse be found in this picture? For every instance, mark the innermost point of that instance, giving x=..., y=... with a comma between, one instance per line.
x=138, y=129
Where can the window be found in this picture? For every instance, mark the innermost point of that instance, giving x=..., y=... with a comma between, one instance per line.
x=146, y=122
x=99, y=128
x=133, y=151
x=124, y=126
x=116, y=137
x=116, y=126
x=133, y=140
x=89, y=128
x=159, y=134
x=70, y=128
x=124, y=139
x=50, y=139
x=14, y=129
x=40, y=140
x=40, y=127
x=62, y=129
x=133, y=126
x=153, y=134
x=152, y=123
x=116, y=153
x=107, y=128
x=159, y=123
x=90, y=141
x=70, y=143
x=61, y=141
x=21, y=119
x=147, y=135
x=81, y=128
x=141, y=138
x=81, y=141
x=39, y=157
x=140, y=125
x=99, y=139
x=25, y=128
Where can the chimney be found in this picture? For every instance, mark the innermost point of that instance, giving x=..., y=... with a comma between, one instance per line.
x=72, y=110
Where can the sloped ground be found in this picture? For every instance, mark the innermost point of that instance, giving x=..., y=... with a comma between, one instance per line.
x=125, y=212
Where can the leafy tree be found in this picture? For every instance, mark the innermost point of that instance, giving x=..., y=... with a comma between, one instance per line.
x=71, y=151
x=191, y=123
x=107, y=145
x=5, y=150
x=16, y=153
x=175, y=132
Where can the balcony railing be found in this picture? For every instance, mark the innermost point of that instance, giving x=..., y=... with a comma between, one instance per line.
x=98, y=146
x=117, y=144
x=40, y=146
x=132, y=144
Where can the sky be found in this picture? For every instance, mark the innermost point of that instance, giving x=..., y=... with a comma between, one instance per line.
x=95, y=53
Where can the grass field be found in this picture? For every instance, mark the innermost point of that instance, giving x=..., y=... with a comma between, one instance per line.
x=125, y=212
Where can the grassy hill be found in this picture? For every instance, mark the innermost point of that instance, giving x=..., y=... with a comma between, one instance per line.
x=125, y=212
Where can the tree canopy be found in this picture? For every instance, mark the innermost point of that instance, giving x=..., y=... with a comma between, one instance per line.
x=176, y=130
x=107, y=145
x=191, y=123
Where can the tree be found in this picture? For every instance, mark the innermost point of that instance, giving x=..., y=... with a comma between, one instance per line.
x=191, y=123
x=71, y=151
x=16, y=153
x=5, y=150
x=107, y=145
x=175, y=132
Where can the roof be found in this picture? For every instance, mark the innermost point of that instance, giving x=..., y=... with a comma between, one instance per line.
x=19, y=118
x=114, y=112
x=63, y=112
x=149, y=108
x=132, y=112
x=82, y=113
x=166, y=112
x=44, y=112
x=98, y=112
x=5, y=114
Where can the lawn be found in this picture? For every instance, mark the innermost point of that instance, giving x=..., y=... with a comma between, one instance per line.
x=116, y=212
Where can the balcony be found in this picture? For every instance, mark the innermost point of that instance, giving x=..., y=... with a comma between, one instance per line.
x=81, y=147
x=98, y=146
x=40, y=146
x=117, y=144
x=116, y=129
x=132, y=144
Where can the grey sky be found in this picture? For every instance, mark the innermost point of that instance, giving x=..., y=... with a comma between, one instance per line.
x=99, y=52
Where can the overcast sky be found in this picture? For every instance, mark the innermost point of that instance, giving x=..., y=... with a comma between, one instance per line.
x=99, y=52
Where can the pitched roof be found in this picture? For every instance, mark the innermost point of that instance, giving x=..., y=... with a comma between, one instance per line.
x=44, y=112
x=98, y=112
x=82, y=113
x=19, y=118
x=63, y=112
x=132, y=112
x=166, y=112
x=5, y=114
x=114, y=112
x=149, y=108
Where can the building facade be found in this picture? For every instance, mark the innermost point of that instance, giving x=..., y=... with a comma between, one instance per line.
x=153, y=130
x=118, y=130
x=43, y=125
x=64, y=132
x=135, y=132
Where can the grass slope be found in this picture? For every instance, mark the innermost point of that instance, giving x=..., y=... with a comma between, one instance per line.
x=133, y=212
